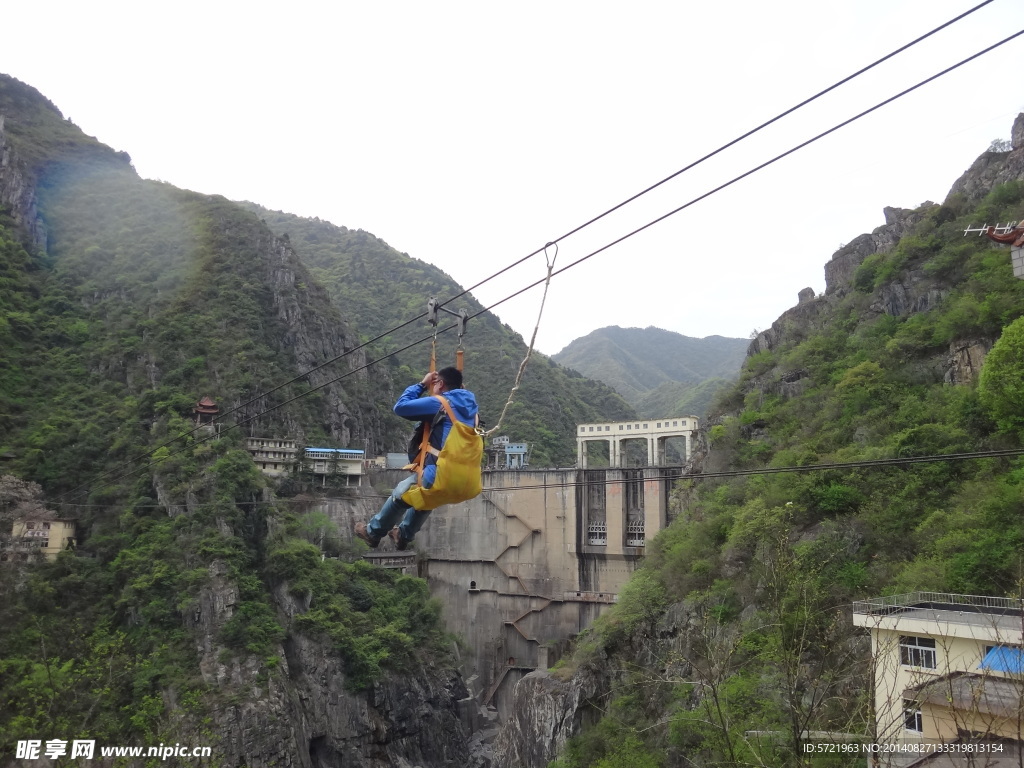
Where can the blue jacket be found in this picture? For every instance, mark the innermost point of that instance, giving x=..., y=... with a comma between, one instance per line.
x=413, y=406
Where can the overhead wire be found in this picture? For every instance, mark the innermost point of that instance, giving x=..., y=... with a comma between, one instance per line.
x=257, y=398
x=754, y=170
x=583, y=258
x=589, y=222
x=899, y=461
x=554, y=273
x=636, y=196
x=722, y=148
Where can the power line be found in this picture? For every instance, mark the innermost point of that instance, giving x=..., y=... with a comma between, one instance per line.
x=614, y=208
x=762, y=166
x=722, y=148
x=850, y=465
x=593, y=220
x=844, y=465
x=581, y=259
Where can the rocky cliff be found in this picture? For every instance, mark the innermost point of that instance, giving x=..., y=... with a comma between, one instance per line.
x=299, y=713
x=17, y=194
x=177, y=295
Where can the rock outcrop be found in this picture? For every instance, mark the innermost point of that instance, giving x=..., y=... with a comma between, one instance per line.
x=993, y=168
x=839, y=271
x=299, y=713
x=546, y=714
x=315, y=334
x=17, y=194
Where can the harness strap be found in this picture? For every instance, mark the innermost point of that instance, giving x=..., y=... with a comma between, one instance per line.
x=425, y=446
x=421, y=457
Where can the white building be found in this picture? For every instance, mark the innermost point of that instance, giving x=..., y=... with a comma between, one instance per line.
x=654, y=432
x=49, y=537
x=504, y=454
x=946, y=667
x=275, y=456
x=334, y=461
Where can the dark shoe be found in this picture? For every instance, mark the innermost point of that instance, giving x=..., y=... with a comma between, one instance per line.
x=401, y=543
x=363, y=533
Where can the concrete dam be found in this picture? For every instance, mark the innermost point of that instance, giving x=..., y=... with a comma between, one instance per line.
x=532, y=561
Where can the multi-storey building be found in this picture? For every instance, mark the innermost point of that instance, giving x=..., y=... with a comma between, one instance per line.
x=49, y=537
x=275, y=456
x=946, y=667
x=347, y=462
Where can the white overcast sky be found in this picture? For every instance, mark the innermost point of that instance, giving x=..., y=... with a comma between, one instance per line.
x=469, y=134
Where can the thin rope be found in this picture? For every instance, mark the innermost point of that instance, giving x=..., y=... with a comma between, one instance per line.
x=433, y=350
x=533, y=338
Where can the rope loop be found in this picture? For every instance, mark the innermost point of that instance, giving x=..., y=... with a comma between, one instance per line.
x=551, y=261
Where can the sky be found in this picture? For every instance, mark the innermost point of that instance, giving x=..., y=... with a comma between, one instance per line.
x=470, y=134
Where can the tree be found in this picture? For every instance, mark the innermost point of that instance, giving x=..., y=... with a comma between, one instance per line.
x=20, y=498
x=1001, y=386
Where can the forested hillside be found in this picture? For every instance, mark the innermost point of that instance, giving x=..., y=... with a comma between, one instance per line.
x=379, y=288
x=678, y=398
x=146, y=299
x=199, y=607
x=659, y=372
x=735, y=636
x=202, y=607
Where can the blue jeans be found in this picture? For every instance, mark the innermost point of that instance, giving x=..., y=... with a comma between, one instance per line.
x=393, y=509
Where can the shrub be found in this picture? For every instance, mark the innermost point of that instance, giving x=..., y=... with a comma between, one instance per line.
x=1001, y=386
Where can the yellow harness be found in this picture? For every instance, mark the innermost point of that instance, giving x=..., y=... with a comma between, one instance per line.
x=458, y=475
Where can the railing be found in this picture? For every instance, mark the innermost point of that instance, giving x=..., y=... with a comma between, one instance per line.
x=911, y=599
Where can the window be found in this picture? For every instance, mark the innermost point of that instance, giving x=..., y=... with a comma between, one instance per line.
x=675, y=423
x=659, y=425
x=912, y=719
x=591, y=429
x=635, y=533
x=629, y=426
x=645, y=426
x=597, y=533
x=583, y=429
x=607, y=429
x=620, y=427
x=918, y=652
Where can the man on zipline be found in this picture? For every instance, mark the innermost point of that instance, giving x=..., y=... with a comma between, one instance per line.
x=420, y=402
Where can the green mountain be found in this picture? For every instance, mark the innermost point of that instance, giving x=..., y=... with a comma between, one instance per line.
x=678, y=398
x=833, y=470
x=656, y=371
x=203, y=607
x=144, y=298
x=379, y=288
